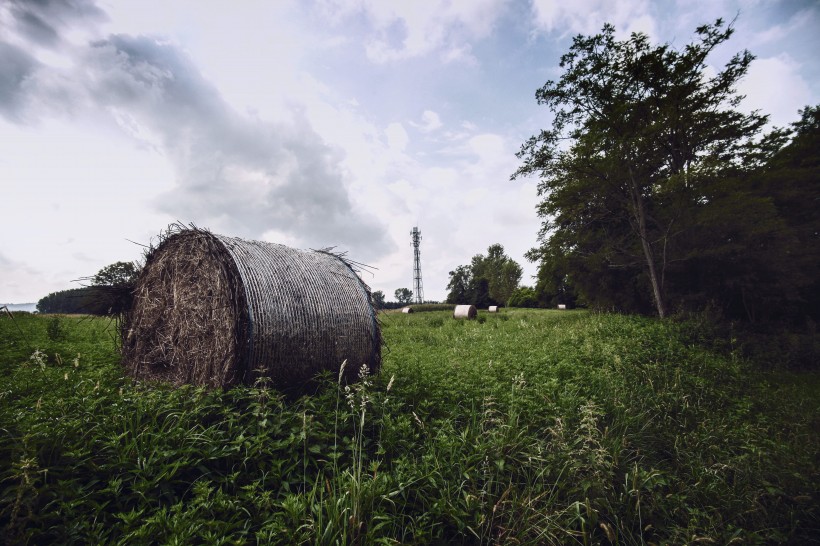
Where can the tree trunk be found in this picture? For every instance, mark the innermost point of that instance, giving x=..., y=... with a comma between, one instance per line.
x=649, y=254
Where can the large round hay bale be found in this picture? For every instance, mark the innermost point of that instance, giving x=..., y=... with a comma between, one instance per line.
x=493, y=309
x=218, y=311
x=406, y=310
x=465, y=312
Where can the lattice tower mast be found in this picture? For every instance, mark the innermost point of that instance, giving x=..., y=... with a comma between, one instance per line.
x=418, y=289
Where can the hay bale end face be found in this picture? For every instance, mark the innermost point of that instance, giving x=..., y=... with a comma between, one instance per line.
x=464, y=312
x=218, y=311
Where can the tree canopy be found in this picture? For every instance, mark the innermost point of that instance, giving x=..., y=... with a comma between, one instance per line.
x=647, y=176
x=404, y=296
x=116, y=274
x=378, y=299
x=488, y=280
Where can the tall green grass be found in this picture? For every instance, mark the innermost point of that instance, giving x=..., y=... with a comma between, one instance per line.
x=528, y=427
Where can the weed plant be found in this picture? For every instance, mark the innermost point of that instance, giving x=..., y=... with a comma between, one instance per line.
x=532, y=427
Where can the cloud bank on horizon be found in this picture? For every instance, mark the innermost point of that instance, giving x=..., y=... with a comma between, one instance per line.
x=325, y=123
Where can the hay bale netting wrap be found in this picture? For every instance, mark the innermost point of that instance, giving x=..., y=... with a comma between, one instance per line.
x=217, y=311
x=464, y=311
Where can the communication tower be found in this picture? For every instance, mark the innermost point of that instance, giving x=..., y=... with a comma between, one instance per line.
x=418, y=290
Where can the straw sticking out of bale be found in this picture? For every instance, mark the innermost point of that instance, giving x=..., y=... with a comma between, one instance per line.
x=217, y=311
x=493, y=309
x=464, y=311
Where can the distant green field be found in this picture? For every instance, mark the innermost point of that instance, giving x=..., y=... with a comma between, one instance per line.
x=521, y=427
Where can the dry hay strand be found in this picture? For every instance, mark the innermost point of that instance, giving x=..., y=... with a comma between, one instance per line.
x=465, y=312
x=217, y=311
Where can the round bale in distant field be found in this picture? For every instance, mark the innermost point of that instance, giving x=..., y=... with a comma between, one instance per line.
x=217, y=311
x=562, y=306
x=464, y=312
x=493, y=309
x=406, y=309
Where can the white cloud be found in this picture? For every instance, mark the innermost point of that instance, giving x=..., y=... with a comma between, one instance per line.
x=402, y=30
x=776, y=87
x=77, y=190
x=19, y=279
x=396, y=136
x=430, y=121
x=588, y=16
x=270, y=120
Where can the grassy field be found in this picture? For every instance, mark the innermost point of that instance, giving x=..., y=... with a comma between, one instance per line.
x=522, y=427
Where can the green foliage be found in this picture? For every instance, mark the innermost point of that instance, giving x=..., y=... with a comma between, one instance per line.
x=790, y=183
x=524, y=297
x=113, y=288
x=554, y=283
x=116, y=274
x=404, y=296
x=460, y=286
x=378, y=299
x=533, y=427
x=488, y=280
x=501, y=272
x=71, y=301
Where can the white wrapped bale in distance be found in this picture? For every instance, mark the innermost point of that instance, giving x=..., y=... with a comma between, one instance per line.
x=406, y=309
x=562, y=306
x=493, y=309
x=464, y=312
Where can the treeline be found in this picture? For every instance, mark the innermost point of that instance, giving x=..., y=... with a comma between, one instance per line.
x=404, y=297
x=86, y=300
x=110, y=293
x=82, y=300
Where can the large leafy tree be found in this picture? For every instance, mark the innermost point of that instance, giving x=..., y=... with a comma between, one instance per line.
x=403, y=295
x=503, y=274
x=378, y=299
x=489, y=279
x=460, y=288
x=638, y=132
x=116, y=274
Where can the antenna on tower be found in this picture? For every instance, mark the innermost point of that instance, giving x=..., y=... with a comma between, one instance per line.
x=418, y=290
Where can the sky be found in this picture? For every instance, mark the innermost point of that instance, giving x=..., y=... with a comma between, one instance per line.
x=313, y=123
